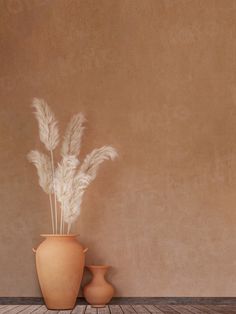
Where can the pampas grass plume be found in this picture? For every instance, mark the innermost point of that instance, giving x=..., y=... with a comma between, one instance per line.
x=48, y=129
x=43, y=165
x=73, y=135
x=67, y=181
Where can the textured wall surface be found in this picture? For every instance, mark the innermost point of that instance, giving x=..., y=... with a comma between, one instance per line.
x=156, y=79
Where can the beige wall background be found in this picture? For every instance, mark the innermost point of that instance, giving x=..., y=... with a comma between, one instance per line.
x=157, y=80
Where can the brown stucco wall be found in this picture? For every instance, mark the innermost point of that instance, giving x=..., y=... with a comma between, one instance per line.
x=157, y=80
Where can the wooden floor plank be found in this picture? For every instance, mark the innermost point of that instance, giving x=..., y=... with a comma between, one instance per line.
x=19, y=309
x=140, y=309
x=152, y=309
x=2, y=307
x=205, y=309
x=165, y=309
x=31, y=309
x=41, y=310
x=181, y=309
x=193, y=310
x=124, y=309
x=79, y=309
x=104, y=310
x=90, y=310
x=115, y=309
x=8, y=307
x=224, y=309
x=127, y=309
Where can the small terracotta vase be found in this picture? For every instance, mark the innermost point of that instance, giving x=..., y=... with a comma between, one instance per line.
x=60, y=264
x=98, y=292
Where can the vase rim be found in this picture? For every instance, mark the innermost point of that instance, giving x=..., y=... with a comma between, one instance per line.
x=58, y=235
x=98, y=266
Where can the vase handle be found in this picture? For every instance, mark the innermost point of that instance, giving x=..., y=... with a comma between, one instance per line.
x=85, y=250
x=34, y=250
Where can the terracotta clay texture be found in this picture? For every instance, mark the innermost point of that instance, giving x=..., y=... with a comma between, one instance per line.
x=157, y=80
x=60, y=265
x=98, y=292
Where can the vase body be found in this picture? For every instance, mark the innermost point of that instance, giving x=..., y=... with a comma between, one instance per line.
x=60, y=264
x=98, y=292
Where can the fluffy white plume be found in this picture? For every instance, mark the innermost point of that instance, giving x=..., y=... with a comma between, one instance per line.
x=70, y=187
x=95, y=158
x=44, y=170
x=64, y=177
x=66, y=182
x=84, y=177
x=73, y=135
x=48, y=130
x=73, y=202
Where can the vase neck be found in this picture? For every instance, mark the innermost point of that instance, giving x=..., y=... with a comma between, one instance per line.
x=98, y=271
x=59, y=236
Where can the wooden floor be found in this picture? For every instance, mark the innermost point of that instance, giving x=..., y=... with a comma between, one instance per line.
x=124, y=309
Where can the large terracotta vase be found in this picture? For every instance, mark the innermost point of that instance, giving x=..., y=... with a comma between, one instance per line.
x=60, y=264
x=98, y=292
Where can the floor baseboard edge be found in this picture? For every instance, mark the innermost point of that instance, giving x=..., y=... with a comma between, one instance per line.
x=132, y=300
